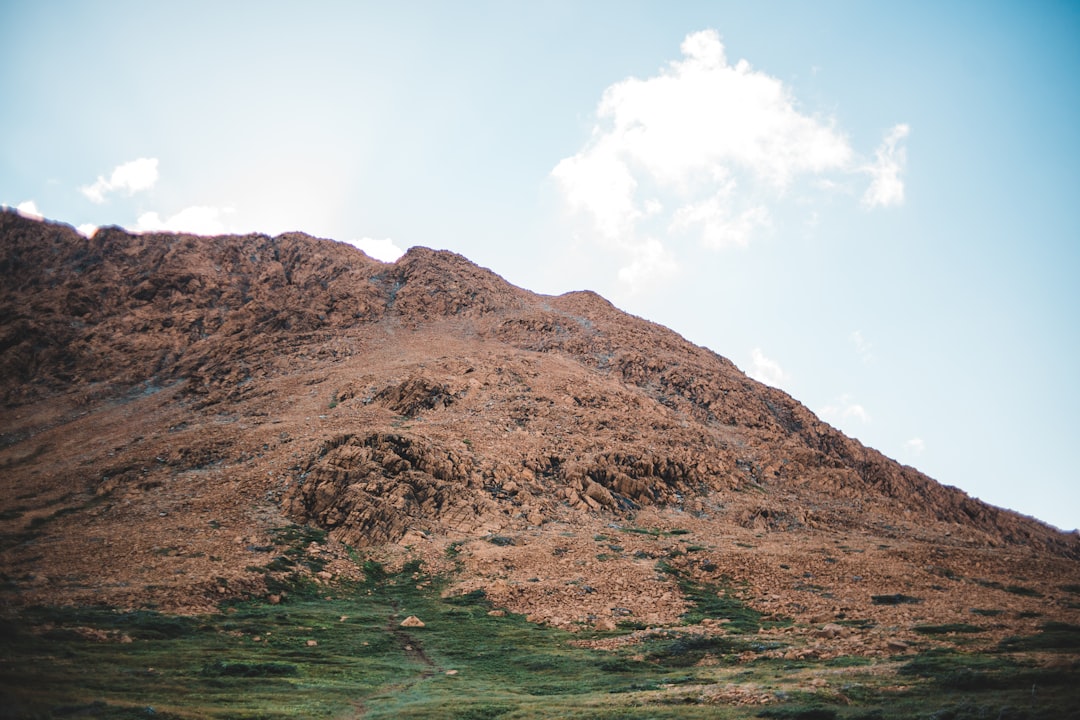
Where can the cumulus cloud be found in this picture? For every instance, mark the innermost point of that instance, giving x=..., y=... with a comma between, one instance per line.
x=705, y=149
x=87, y=230
x=197, y=220
x=131, y=177
x=382, y=249
x=886, y=185
x=764, y=369
x=843, y=410
x=704, y=145
x=29, y=209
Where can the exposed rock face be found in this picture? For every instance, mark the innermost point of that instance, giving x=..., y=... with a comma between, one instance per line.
x=173, y=391
x=368, y=489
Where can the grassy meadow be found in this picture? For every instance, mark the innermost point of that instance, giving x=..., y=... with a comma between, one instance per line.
x=341, y=653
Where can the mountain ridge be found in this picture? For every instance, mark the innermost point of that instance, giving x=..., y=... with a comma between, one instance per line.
x=413, y=405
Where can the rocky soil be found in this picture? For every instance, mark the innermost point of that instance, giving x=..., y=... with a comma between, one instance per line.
x=170, y=402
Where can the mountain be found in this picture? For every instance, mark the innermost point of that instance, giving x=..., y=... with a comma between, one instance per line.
x=172, y=404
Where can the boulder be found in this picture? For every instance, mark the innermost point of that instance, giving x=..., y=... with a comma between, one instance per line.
x=830, y=630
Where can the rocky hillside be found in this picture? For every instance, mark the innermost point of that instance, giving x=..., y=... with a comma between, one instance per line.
x=170, y=402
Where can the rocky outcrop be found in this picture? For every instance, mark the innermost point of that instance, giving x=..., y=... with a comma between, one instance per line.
x=372, y=489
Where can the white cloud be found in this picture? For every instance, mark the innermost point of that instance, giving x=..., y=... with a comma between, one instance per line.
x=844, y=409
x=382, y=249
x=29, y=209
x=862, y=346
x=766, y=370
x=197, y=220
x=857, y=411
x=87, y=230
x=886, y=186
x=706, y=150
x=719, y=223
x=915, y=446
x=600, y=183
x=703, y=144
x=132, y=177
x=650, y=264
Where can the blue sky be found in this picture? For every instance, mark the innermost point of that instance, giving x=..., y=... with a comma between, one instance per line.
x=871, y=206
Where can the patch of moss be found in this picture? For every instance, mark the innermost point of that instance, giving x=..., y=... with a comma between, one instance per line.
x=220, y=668
x=1052, y=636
x=947, y=628
x=687, y=650
x=844, y=661
x=987, y=612
x=897, y=599
x=800, y=712
x=717, y=601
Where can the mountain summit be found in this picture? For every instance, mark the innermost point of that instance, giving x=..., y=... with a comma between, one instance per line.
x=171, y=402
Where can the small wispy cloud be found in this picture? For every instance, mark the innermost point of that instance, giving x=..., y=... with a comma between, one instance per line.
x=650, y=264
x=843, y=410
x=765, y=369
x=197, y=220
x=886, y=184
x=915, y=446
x=863, y=347
x=130, y=177
x=718, y=224
x=383, y=249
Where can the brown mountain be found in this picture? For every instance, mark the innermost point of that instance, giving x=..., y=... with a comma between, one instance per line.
x=171, y=401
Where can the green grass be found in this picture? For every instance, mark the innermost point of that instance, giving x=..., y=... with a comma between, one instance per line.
x=947, y=628
x=716, y=601
x=364, y=664
x=987, y=612
x=897, y=599
x=1052, y=636
x=655, y=532
x=255, y=660
x=340, y=653
x=957, y=672
x=1022, y=590
x=808, y=712
x=844, y=661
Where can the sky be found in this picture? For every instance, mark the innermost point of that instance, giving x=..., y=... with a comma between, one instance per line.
x=872, y=206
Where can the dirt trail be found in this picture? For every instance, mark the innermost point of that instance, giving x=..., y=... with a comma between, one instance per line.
x=412, y=647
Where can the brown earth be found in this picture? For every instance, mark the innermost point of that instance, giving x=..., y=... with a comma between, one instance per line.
x=170, y=401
